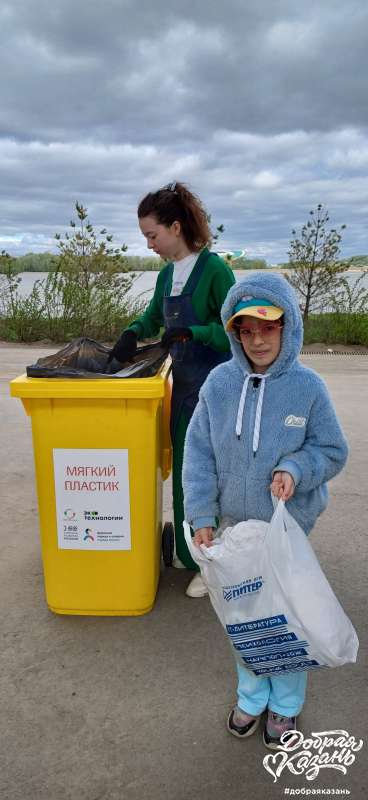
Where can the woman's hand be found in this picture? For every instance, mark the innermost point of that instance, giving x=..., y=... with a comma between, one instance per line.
x=282, y=485
x=172, y=335
x=203, y=536
x=125, y=348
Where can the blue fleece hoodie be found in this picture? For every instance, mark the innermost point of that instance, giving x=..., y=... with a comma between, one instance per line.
x=240, y=433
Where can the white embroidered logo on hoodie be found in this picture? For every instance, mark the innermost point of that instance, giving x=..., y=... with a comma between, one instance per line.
x=295, y=422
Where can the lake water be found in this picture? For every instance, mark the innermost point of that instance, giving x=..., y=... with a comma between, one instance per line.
x=145, y=282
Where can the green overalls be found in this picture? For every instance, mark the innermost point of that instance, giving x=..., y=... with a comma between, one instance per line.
x=192, y=360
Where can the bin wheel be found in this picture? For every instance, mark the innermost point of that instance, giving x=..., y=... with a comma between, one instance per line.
x=168, y=543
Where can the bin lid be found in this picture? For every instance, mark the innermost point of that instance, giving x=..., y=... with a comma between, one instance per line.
x=140, y=388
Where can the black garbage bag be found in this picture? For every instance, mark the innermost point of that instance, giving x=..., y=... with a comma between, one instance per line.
x=85, y=358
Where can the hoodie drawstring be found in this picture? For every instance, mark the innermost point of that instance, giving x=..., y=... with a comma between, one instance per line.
x=257, y=421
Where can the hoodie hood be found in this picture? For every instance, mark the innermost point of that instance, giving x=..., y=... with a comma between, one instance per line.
x=278, y=291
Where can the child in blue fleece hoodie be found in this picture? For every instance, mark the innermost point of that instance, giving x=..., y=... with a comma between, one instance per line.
x=263, y=422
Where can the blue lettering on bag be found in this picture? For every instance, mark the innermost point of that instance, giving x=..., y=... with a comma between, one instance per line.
x=300, y=666
x=257, y=624
x=300, y=651
x=267, y=641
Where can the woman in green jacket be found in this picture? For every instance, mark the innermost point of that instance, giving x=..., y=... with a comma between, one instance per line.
x=187, y=300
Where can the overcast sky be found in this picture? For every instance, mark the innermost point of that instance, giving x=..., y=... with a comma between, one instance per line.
x=260, y=106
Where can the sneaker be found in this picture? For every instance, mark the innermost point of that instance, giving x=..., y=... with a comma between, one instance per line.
x=275, y=726
x=241, y=724
x=177, y=563
x=197, y=587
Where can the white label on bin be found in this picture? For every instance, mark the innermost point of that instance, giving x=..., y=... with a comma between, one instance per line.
x=92, y=499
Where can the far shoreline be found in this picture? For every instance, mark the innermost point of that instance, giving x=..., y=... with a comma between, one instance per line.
x=316, y=348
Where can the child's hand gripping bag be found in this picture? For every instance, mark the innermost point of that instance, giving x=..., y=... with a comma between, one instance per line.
x=270, y=594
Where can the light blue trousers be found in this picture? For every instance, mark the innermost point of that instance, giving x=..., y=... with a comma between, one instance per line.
x=283, y=694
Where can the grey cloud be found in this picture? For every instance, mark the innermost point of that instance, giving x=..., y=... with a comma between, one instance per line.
x=123, y=71
x=259, y=187
x=260, y=107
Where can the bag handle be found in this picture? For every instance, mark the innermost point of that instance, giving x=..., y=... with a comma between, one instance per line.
x=199, y=554
x=278, y=517
x=187, y=536
x=278, y=507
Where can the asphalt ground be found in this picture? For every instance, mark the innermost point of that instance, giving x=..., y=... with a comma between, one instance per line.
x=118, y=708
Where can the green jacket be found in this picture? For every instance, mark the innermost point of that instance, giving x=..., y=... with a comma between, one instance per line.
x=208, y=297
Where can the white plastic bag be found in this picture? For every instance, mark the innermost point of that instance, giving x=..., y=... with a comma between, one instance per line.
x=271, y=596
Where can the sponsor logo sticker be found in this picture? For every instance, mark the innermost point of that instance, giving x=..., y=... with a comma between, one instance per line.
x=292, y=421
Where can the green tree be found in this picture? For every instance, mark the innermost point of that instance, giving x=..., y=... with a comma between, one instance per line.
x=20, y=316
x=85, y=294
x=88, y=289
x=250, y=263
x=37, y=262
x=350, y=305
x=314, y=261
x=350, y=298
x=9, y=283
x=217, y=233
x=85, y=253
x=219, y=230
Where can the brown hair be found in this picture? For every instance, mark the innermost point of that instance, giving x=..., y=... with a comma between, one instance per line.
x=175, y=203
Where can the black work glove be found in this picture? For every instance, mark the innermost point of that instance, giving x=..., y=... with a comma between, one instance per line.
x=125, y=347
x=172, y=335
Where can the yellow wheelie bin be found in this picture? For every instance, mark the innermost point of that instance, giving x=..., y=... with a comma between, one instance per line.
x=102, y=449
